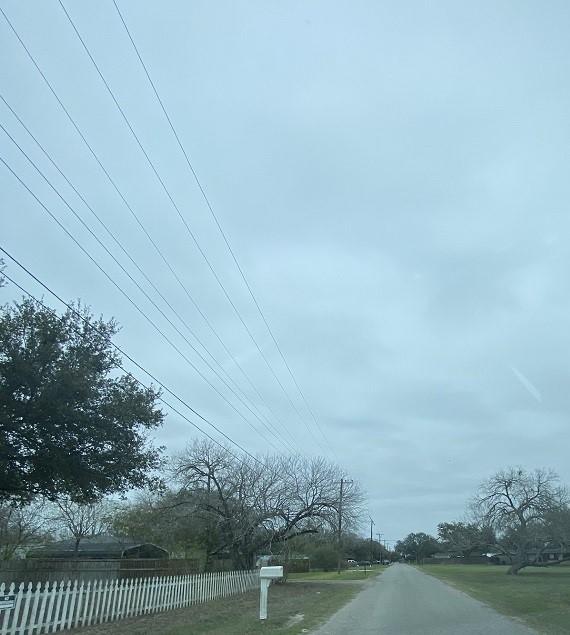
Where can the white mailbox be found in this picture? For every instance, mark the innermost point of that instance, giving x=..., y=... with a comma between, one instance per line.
x=271, y=572
x=266, y=574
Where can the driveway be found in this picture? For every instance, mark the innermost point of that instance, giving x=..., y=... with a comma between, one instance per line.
x=405, y=601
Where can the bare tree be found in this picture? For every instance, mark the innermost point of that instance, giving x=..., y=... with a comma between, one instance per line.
x=81, y=520
x=519, y=506
x=250, y=505
x=20, y=525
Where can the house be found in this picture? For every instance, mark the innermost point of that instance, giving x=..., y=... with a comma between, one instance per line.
x=540, y=556
x=98, y=548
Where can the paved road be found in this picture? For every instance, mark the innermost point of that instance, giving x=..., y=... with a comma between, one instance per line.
x=404, y=601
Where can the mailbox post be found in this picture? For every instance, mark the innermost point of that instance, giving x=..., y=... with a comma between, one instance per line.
x=266, y=574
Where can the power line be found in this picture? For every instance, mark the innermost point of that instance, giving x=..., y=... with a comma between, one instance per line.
x=182, y=218
x=120, y=245
x=133, y=361
x=131, y=301
x=133, y=213
x=216, y=220
x=119, y=264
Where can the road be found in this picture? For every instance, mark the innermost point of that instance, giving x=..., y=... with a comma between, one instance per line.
x=405, y=601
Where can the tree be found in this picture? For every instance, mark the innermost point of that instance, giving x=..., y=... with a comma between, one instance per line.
x=250, y=505
x=527, y=512
x=465, y=538
x=70, y=423
x=21, y=525
x=324, y=557
x=81, y=520
x=417, y=546
x=163, y=518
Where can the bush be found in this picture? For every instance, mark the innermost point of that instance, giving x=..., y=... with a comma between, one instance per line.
x=324, y=557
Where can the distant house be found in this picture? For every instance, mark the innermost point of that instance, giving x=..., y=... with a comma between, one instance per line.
x=542, y=556
x=99, y=548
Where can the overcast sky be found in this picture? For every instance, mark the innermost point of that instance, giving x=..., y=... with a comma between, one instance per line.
x=393, y=178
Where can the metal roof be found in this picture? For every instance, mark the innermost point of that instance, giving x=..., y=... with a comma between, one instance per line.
x=99, y=547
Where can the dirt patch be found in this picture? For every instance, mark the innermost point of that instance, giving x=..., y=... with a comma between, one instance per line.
x=294, y=620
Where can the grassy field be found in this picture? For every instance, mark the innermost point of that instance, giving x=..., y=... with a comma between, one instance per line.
x=292, y=607
x=345, y=574
x=538, y=596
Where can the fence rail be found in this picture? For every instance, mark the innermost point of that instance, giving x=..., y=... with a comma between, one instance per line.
x=51, y=607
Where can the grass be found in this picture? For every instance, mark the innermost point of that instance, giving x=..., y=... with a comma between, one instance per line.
x=293, y=607
x=345, y=574
x=538, y=596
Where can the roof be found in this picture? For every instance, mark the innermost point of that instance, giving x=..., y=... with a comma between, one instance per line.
x=99, y=547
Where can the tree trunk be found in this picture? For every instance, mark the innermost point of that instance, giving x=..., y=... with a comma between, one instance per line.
x=516, y=567
x=76, y=549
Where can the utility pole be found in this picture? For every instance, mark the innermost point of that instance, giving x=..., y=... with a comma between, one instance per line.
x=379, y=536
x=371, y=543
x=343, y=482
x=340, y=526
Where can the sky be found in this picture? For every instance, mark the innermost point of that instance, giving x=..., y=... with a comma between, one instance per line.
x=393, y=179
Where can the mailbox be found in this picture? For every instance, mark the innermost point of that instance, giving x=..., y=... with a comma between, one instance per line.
x=271, y=572
x=266, y=574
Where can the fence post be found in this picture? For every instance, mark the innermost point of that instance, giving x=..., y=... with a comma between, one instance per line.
x=48, y=605
x=87, y=599
x=152, y=596
x=102, y=614
x=137, y=597
x=73, y=605
x=96, y=601
x=178, y=588
x=25, y=611
x=129, y=597
x=147, y=595
x=112, y=599
x=8, y=613
x=16, y=612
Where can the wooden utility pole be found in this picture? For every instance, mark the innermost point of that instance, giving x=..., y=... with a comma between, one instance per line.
x=342, y=482
x=339, y=537
x=371, y=543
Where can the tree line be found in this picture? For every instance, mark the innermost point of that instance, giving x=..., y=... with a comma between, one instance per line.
x=521, y=515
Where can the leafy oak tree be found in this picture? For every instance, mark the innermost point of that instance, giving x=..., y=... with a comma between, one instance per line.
x=71, y=424
x=417, y=546
x=465, y=538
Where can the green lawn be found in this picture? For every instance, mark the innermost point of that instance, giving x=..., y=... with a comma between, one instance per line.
x=540, y=597
x=293, y=607
x=345, y=574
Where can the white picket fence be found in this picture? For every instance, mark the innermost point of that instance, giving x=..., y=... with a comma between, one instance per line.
x=57, y=606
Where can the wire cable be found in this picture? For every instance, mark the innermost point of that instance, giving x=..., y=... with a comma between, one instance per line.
x=131, y=210
x=183, y=219
x=132, y=302
x=135, y=282
x=122, y=248
x=129, y=357
x=217, y=221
